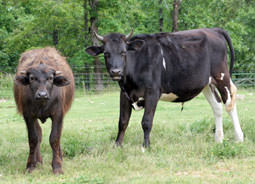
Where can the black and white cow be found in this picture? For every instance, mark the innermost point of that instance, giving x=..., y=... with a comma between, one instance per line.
x=173, y=67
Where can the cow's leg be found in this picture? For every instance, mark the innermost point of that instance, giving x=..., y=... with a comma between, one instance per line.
x=39, y=133
x=125, y=112
x=56, y=130
x=217, y=110
x=151, y=100
x=228, y=94
x=33, y=142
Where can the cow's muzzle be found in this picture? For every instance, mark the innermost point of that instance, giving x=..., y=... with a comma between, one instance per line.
x=116, y=74
x=42, y=95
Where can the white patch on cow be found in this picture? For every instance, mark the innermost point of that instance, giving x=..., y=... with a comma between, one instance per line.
x=217, y=110
x=169, y=97
x=136, y=107
x=164, y=63
x=163, y=60
x=210, y=80
x=222, y=76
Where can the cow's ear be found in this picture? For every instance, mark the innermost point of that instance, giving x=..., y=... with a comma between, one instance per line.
x=135, y=45
x=94, y=51
x=22, y=79
x=60, y=81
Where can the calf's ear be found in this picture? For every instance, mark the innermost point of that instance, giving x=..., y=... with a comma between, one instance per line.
x=94, y=51
x=22, y=79
x=60, y=81
x=135, y=45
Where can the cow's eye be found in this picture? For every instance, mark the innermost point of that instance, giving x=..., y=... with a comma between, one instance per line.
x=32, y=78
x=107, y=54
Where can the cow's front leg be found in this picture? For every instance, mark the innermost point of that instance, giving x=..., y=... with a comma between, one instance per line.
x=125, y=112
x=33, y=141
x=151, y=100
x=57, y=123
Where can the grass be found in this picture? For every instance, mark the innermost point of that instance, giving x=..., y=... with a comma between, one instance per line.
x=182, y=145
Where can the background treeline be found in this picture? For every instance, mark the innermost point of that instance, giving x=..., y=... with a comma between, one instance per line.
x=67, y=24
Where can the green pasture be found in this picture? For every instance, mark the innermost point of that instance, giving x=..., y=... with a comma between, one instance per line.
x=182, y=145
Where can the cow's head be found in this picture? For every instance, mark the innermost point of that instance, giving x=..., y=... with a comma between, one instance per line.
x=115, y=47
x=41, y=80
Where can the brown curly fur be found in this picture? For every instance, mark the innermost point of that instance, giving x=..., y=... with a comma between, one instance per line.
x=52, y=58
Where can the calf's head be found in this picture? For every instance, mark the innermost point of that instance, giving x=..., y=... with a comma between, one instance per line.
x=115, y=47
x=41, y=80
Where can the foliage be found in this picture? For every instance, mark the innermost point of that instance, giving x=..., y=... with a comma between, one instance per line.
x=27, y=24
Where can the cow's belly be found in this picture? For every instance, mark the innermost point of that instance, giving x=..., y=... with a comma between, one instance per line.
x=180, y=96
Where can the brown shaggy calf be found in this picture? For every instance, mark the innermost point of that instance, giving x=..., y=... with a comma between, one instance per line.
x=43, y=88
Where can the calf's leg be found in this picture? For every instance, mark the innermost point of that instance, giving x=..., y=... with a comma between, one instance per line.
x=39, y=133
x=56, y=130
x=33, y=140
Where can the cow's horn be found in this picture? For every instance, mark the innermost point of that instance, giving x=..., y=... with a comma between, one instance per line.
x=23, y=72
x=58, y=72
x=129, y=35
x=100, y=38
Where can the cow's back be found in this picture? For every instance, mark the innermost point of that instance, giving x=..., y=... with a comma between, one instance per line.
x=50, y=57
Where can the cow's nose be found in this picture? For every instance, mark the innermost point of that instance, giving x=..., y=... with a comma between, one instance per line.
x=115, y=71
x=42, y=95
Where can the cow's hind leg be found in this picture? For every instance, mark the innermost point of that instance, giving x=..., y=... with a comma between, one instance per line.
x=228, y=94
x=217, y=110
x=33, y=140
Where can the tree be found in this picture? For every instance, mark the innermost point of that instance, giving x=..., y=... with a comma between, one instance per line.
x=176, y=5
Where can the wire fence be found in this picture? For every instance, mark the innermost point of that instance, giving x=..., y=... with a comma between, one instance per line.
x=93, y=79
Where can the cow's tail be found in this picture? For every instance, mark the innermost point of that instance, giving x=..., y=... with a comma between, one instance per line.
x=232, y=54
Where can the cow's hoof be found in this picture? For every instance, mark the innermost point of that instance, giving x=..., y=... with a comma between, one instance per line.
x=58, y=171
x=219, y=136
x=239, y=137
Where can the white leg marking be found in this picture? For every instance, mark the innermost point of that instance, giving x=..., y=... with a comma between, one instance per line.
x=236, y=124
x=222, y=76
x=231, y=109
x=169, y=97
x=227, y=104
x=217, y=110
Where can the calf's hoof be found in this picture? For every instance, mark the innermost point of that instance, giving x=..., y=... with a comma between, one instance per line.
x=118, y=144
x=58, y=171
x=30, y=170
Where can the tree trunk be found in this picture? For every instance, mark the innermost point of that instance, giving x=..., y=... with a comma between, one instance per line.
x=97, y=64
x=176, y=4
x=55, y=37
x=160, y=16
x=86, y=42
